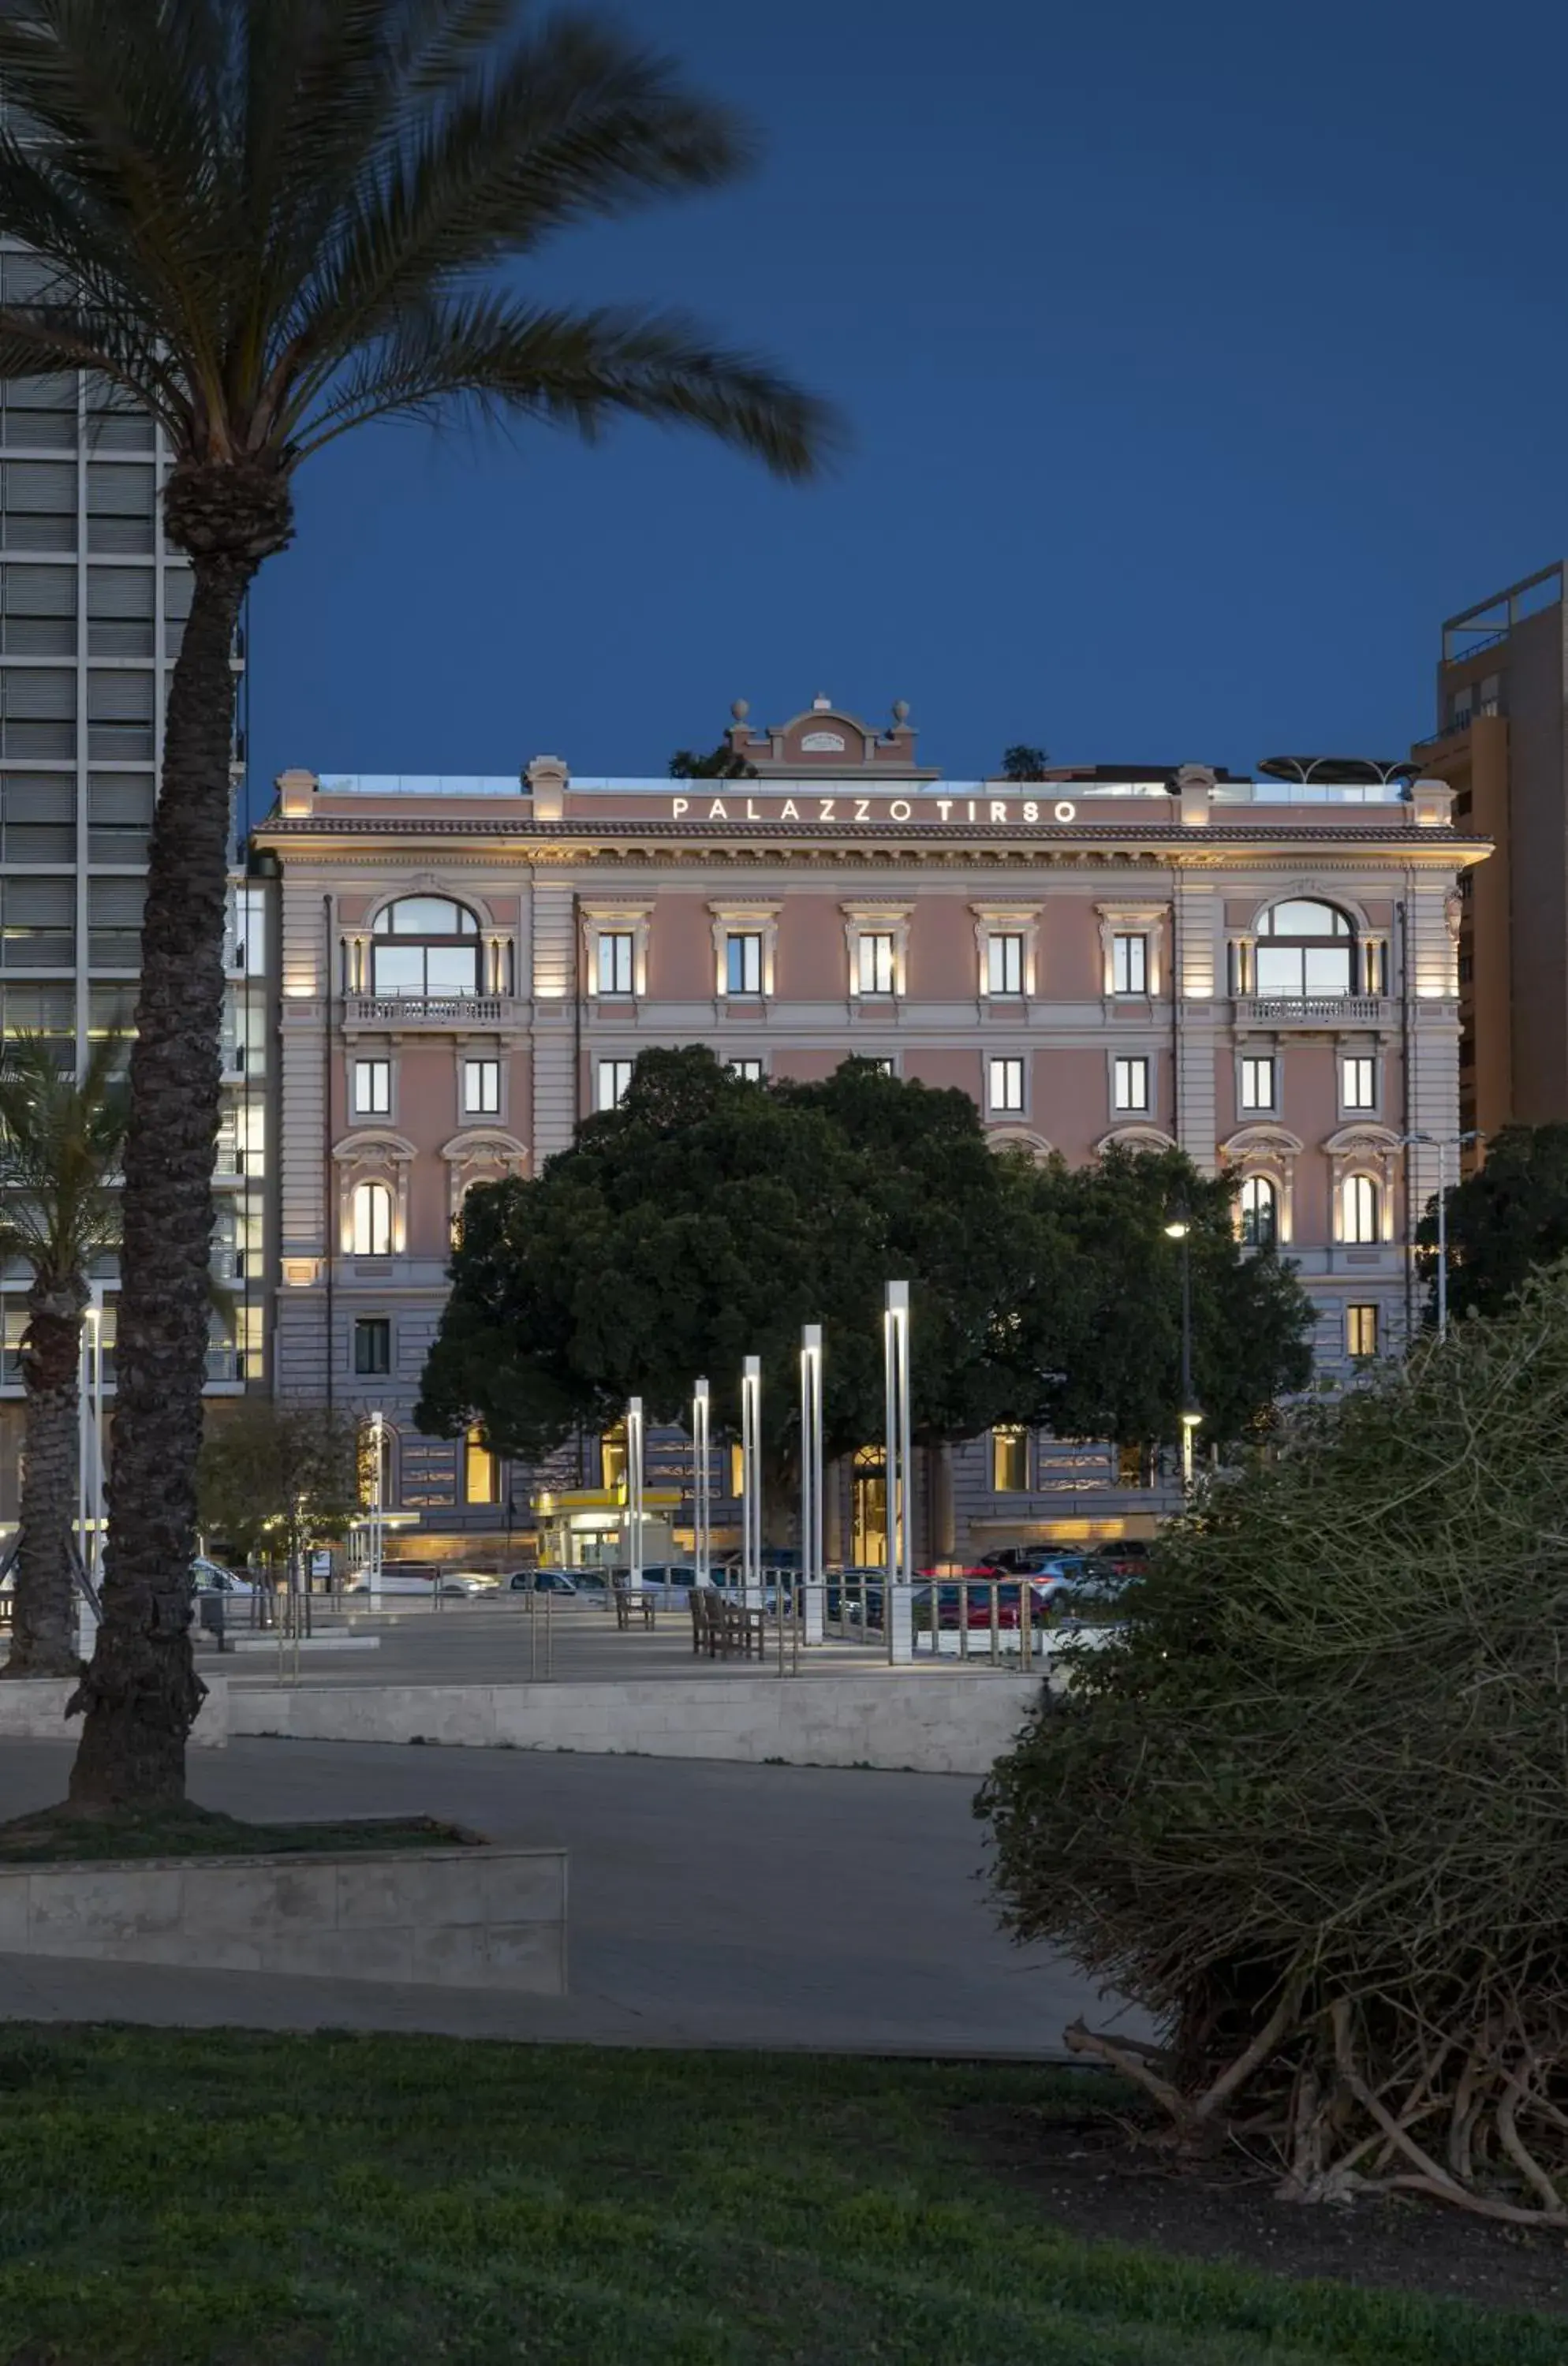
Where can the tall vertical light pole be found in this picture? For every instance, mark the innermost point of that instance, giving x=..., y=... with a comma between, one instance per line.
x=1179, y=1227
x=377, y=1498
x=89, y=1459
x=898, y=1611
x=634, y=1494
x=811, y=1571
x=751, y=1482
x=702, y=1489
x=1442, y=1144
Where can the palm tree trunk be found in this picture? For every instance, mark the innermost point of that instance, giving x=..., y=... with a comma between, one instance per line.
x=43, y=1623
x=142, y=1691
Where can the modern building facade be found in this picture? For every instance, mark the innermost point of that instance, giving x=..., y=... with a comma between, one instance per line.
x=91, y=606
x=1263, y=973
x=1500, y=743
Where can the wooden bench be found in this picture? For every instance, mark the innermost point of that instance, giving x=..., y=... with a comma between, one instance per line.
x=625, y=1602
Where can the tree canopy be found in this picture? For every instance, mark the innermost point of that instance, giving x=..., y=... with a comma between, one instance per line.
x=275, y=1479
x=708, y=1218
x=1504, y=1221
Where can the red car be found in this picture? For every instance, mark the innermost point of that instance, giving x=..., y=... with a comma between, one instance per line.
x=986, y=1593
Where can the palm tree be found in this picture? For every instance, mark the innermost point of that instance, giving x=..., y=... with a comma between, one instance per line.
x=271, y=222
x=59, y=1149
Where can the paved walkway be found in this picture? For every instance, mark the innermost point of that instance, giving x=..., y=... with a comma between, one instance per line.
x=711, y=1905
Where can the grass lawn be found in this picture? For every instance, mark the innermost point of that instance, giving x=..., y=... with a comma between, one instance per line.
x=80, y=1835
x=244, y=2199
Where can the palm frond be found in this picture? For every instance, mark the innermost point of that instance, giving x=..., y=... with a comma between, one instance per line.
x=578, y=370
x=60, y=1138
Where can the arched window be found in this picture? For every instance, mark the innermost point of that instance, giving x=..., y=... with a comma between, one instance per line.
x=1305, y=947
x=370, y=1221
x=1260, y=1208
x=1360, y=1204
x=426, y=945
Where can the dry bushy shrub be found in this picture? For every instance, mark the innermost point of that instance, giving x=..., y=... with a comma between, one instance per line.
x=1312, y=1813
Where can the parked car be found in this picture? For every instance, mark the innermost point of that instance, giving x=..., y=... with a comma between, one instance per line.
x=979, y=1593
x=544, y=1581
x=1034, y=1560
x=421, y=1584
x=211, y=1577
x=1128, y=1556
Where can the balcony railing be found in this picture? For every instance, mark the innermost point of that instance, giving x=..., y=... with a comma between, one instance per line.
x=1311, y=1010
x=427, y=1010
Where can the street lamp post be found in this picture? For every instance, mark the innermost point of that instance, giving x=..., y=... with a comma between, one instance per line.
x=1442, y=1144
x=751, y=1483
x=1179, y=1227
x=898, y=1609
x=634, y=1494
x=811, y=1571
x=377, y=1503
x=702, y=1489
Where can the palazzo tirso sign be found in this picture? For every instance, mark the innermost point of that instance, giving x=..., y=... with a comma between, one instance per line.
x=803, y=807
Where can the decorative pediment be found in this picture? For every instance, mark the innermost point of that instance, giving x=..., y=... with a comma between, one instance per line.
x=1135, y=1137
x=1262, y=1142
x=1364, y=1141
x=369, y=1143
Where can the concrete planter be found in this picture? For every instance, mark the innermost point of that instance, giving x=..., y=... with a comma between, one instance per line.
x=470, y=1918
x=32, y=1709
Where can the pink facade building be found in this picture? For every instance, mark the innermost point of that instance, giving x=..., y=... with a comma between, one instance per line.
x=1262, y=972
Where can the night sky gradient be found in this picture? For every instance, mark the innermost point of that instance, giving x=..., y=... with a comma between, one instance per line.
x=1197, y=361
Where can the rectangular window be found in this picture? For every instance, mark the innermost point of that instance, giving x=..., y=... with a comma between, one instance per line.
x=1362, y=1205
x=743, y=964
x=1004, y=964
x=875, y=968
x=885, y=1067
x=749, y=1071
x=1258, y=1086
x=1131, y=1085
x=481, y=1091
x=1006, y=1084
x=1009, y=1461
x=1129, y=964
x=373, y=1344
x=1360, y=1331
x=481, y=1470
x=1374, y=964
x=372, y=1088
x=614, y=1077
x=1357, y=1083
x=617, y=949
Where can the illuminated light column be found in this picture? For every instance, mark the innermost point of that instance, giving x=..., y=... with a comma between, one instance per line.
x=634, y=1493
x=898, y=1611
x=811, y=1563
x=751, y=1483
x=702, y=1490
x=89, y=1466
x=378, y=1504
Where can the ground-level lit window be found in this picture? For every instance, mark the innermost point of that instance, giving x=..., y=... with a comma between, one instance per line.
x=1009, y=1461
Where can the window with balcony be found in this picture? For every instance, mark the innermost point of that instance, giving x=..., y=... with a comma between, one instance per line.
x=1004, y=1086
x=749, y=1071
x=370, y=1220
x=1360, y=1332
x=615, y=961
x=426, y=945
x=614, y=1081
x=482, y=1087
x=1361, y=1210
x=1004, y=964
x=1130, y=1083
x=1259, y=1087
x=743, y=963
x=1359, y=1083
x=877, y=961
x=1129, y=964
x=372, y=1088
x=1009, y=1461
x=1258, y=1208
x=1304, y=949
x=373, y=1345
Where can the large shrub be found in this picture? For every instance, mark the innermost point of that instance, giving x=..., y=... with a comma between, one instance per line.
x=1313, y=1812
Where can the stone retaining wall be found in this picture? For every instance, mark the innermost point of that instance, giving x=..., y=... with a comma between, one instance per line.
x=32, y=1709
x=470, y=1918
x=944, y=1721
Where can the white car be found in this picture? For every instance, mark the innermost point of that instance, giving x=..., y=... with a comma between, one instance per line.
x=211, y=1577
x=424, y=1583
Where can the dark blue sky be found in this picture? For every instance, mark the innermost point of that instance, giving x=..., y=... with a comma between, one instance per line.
x=1197, y=362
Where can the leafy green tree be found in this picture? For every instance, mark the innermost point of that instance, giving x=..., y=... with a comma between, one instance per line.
x=1504, y=1221
x=707, y=1219
x=270, y=222
x=274, y=1480
x=1023, y=762
x=1099, y=1312
x=720, y=763
x=61, y=1139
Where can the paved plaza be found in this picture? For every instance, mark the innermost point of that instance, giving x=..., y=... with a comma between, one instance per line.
x=710, y=1904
